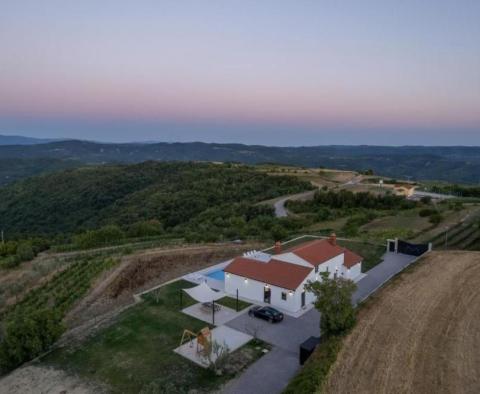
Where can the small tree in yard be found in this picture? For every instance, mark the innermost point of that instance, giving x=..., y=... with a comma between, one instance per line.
x=334, y=302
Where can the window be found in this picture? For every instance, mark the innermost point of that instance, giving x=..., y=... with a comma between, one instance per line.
x=284, y=296
x=316, y=269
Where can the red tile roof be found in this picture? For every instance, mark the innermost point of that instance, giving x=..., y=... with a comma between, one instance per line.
x=289, y=275
x=318, y=251
x=277, y=273
x=351, y=258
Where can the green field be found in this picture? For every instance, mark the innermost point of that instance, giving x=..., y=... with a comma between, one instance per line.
x=371, y=253
x=136, y=354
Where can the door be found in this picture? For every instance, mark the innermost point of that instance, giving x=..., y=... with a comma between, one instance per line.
x=303, y=298
x=267, y=292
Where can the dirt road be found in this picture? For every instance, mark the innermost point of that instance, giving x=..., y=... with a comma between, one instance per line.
x=421, y=334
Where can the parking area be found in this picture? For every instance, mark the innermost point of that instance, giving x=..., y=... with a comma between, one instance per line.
x=287, y=334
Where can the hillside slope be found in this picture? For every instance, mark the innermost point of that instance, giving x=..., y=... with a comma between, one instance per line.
x=183, y=197
x=454, y=164
x=20, y=140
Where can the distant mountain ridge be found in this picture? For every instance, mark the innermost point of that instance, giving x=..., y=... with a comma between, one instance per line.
x=20, y=140
x=456, y=164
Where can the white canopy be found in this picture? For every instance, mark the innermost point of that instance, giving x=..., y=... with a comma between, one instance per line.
x=203, y=293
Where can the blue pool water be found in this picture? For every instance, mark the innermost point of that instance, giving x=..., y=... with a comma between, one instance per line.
x=217, y=275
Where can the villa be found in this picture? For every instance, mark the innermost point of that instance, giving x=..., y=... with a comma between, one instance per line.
x=279, y=279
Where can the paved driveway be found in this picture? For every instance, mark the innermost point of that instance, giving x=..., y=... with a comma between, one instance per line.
x=271, y=374
x=287, y=335
x=392, y=264
x=273, y=371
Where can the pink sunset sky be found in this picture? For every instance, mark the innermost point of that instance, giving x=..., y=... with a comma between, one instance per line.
x=270, y=72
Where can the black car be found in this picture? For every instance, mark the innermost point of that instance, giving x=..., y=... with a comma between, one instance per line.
x=266, y=313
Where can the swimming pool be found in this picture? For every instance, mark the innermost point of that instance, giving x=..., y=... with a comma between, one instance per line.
x=217, y=275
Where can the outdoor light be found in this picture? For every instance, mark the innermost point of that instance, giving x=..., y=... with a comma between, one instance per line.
x=267, y=286
x=290, y=292
x=227, y=275
x=246, y=280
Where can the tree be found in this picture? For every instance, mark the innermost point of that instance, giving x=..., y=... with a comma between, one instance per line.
x=278, y=232
x=426, y=200
x=28, y=334
x=334, y=302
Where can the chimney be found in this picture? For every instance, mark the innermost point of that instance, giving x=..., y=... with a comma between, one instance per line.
x=333, y=239
x=278, y=247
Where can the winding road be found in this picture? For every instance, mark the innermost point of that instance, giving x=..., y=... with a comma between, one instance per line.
x=281, y=211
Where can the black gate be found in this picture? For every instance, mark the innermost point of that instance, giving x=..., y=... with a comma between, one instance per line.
x=411, y=249
x=391, y=246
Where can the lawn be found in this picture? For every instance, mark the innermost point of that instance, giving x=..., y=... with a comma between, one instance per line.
x=136, y=354
x=230, y=302
x=371, y=253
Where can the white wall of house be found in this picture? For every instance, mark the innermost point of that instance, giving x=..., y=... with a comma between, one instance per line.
x=353, y=272
x=254, y=290
x=332, y=266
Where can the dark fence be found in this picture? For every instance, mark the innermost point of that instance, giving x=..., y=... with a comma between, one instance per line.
x=411, y=249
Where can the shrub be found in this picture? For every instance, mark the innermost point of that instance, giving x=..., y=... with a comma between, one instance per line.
x=436, y=218
x=9, y=262
x=426, y=212
x=279, y=233
x=102, y=236
x=27, y=335
x=314, y=374
x=426, y=200
x=25, y=251
x=145, y=229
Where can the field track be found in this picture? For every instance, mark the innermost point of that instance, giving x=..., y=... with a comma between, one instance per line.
x=421, y=334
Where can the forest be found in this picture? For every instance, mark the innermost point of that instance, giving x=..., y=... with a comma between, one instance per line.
x=451, y=164
x=195, y=201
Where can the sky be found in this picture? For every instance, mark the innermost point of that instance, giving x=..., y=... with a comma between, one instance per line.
x=273, y=72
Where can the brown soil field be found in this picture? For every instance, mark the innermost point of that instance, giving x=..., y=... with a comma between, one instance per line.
x=420, y=334
x=146, y=269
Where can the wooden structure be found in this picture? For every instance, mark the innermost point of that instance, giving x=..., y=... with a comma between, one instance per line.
x=204, y=339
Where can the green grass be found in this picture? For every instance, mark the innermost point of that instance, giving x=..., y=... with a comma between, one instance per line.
x=230, y=302
x=371, y=253
x=136, y=354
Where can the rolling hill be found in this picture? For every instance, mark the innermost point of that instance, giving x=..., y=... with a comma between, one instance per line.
x=452, y=164
x=20, y=140
x=216, y=200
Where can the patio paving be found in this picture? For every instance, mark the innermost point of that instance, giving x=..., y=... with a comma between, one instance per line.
x=224, y=335
x=222, y=316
